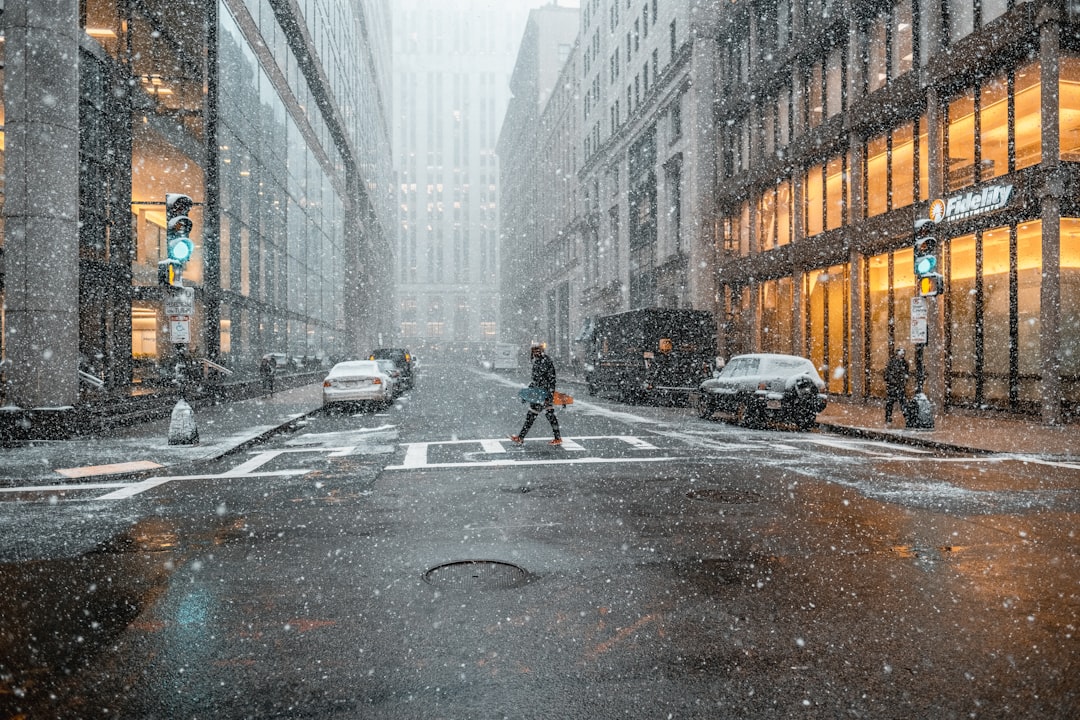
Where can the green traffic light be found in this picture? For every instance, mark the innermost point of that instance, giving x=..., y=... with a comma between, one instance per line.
x=180, y=249
x=925, y=265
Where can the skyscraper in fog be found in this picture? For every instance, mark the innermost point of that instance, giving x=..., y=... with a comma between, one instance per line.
x=452, y=61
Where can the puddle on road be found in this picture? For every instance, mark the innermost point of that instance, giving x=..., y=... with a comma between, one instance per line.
x=59, y=614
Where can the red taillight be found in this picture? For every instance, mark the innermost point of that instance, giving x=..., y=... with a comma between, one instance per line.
x=327, y=383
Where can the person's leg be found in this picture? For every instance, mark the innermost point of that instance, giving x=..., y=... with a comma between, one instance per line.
x=530, y=417
x=550, y=414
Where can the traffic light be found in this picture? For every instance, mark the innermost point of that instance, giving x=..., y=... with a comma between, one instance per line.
x=925, y=255
x=168, y=272
x=930, y=285
x=178, y=228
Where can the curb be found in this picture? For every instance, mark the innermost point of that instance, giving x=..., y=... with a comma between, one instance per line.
x=916, y=441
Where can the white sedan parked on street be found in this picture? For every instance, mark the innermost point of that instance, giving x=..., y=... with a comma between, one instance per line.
x=357, y=381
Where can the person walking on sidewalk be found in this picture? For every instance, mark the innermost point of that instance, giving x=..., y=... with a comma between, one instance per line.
x=896, y=378
x=543, y=377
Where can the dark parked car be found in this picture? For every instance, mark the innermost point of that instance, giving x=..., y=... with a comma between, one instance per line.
x=402, y=358
x=765, y=387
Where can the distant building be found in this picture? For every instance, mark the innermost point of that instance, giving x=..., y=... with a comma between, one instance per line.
x=540, y=154
x=644, y=161
x=266, y=119
x=452, y=63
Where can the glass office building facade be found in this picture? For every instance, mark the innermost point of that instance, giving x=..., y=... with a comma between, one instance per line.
x=259, y=112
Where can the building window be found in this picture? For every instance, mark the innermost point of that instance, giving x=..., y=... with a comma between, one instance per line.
x=777, y=327
x=813, y=189
x=961, y=19
x=827, y=329
x=902, y=41
x=774, y=227
x=675, y=115
x=836, y=191
x=877, y=48
x=890, y=173
x=1069, y=108
x=994, y=310
x=890, y=283
x=834, y=82
x=979, y=151
x=815, y=95
x=1069, y=349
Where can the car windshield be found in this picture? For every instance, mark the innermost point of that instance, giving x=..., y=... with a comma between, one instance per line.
x=741, y=366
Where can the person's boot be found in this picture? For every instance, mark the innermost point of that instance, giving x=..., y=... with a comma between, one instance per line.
x=517, y=439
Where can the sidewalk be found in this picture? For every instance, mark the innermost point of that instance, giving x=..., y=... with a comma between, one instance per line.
x=139, y=449
x=956, y=431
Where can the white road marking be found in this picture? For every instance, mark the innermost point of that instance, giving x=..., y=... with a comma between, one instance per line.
x=553, y=461
x=73, y=487
x=493, y=447
x=416, y=454
x=248, y=469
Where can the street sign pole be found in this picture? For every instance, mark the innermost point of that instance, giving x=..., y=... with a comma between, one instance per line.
x=921, y=415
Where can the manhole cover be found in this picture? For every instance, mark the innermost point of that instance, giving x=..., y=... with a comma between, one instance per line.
x=476, y=575
x=720, y=495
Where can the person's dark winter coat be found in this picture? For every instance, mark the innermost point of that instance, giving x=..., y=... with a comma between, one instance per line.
x=897, y=372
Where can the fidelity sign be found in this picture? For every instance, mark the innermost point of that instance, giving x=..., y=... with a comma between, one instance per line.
x=973, y=202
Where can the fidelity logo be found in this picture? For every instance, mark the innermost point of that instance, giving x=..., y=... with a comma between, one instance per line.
x=973, y=202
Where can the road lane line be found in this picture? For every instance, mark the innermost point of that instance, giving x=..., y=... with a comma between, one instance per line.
x=73, y=487
x=637, y=443
x=141, y=487
x=553, y=461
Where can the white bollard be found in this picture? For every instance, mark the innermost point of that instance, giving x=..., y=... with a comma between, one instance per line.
x=182, y=428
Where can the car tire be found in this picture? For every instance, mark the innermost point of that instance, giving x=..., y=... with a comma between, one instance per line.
x=805, y=420
x=747, y=415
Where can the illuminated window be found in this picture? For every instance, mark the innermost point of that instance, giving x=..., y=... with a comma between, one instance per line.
x=994, y=128
x=877, y=176
x=815, y=201
x=1028, y=117
x=836, y=187
x=1069, y=350
x=961, y=142
x=1069, y=108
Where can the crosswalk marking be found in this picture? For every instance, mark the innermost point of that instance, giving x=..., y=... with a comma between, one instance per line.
x=495, y=452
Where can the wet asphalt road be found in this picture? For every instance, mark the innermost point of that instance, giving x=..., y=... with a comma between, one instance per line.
x=408, y=564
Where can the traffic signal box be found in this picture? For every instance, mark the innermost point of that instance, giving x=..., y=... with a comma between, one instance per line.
x=927, y=277
x=178, y=238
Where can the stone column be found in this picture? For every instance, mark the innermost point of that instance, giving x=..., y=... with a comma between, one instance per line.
x=41, y=209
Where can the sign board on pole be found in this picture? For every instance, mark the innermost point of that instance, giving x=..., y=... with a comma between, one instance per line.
x=919, y=314
x=180, y=329
x=181, y=302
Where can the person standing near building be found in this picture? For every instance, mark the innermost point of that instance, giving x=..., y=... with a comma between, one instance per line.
x=896, y=377
x=543, y=377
